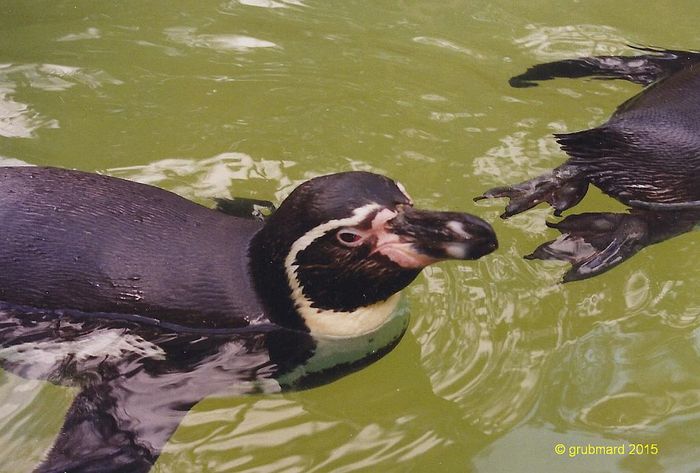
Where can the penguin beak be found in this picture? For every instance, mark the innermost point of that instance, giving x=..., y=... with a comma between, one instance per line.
x=417, y=238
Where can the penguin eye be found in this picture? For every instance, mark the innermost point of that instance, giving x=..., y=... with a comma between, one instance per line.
x=350, y=237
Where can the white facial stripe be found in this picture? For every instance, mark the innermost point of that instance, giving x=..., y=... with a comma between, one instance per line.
x=328, y=322
x=379, y=221
x=403, y=191
x=315, y=233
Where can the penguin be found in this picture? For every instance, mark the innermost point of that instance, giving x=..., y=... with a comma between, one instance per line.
x=149, y=302
x=647, y=156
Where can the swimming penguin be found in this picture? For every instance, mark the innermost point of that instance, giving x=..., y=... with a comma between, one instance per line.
x=150, y=302
x=647, y=155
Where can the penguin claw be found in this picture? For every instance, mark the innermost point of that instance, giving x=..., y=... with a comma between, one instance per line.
x=552, y=188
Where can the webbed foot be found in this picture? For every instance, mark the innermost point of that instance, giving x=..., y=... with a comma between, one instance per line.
x=560, y=188
x=642, y=69
x=594, y=242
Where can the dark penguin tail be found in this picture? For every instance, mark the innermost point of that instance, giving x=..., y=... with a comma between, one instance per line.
x=586, y=146
x=643, y=69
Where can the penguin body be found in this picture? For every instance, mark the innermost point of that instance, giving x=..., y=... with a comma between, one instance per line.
x=149, y=302
x=647, y=156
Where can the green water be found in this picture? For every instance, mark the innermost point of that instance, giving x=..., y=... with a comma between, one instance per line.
x=250, y=97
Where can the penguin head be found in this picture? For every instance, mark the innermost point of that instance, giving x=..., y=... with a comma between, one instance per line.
x=332, y=257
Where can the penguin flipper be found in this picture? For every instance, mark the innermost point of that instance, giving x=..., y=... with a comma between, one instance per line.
x=596, y=242
x=643, y=69
x=244, y=207
x=562, y=189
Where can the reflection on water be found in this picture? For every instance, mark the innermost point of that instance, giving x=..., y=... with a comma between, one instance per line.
x=12, y=162
x=234, y=4
x=494, y=361
x=19, y=120
x=625, y=378
x=392, y=426
x=53, y=77
x=449, y=45
x=16, y=120
x=90, y=33
x=212, y=177
x=221, y=42
x=548, y=43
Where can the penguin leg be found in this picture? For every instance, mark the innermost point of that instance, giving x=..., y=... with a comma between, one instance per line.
x=562, y=188
x=643, y=69
x=596, y=242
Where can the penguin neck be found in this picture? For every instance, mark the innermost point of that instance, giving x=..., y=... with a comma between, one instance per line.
x=277, y=285
x=266, y=258
x=336, y=356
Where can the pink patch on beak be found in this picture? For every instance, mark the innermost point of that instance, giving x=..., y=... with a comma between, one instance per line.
x=391, y=245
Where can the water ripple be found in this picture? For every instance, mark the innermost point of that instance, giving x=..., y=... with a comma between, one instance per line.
x=477, y=347
x=554, y=42
x=90, y=33
x=626, y=376
x=20, y=120
x=218, y=42
x=234, y=4
x=214, y=176
x=449, y=45
x=28, y=416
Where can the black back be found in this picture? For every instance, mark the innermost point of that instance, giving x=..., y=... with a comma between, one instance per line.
x=649, y=150
x=168, y=314
x=156, y=250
